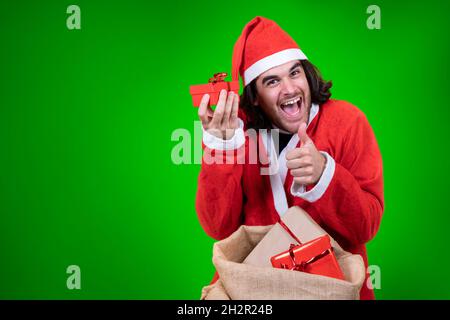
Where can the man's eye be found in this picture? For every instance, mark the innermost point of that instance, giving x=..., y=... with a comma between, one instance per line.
x=271, y=82
x=295, y=72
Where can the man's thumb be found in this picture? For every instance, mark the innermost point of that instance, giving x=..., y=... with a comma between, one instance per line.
x=302, y=134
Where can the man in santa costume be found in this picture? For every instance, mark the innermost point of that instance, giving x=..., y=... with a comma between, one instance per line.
x=328, y=159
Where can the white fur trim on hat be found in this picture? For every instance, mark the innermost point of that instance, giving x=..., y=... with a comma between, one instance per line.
x=271, y=61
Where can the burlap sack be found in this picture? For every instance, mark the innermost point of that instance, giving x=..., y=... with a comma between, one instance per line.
x=240, y=281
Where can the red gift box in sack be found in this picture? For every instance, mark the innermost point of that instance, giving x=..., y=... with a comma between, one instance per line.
x=315, y=257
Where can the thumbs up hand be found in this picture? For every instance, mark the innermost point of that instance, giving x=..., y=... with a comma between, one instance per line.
x=306, y=164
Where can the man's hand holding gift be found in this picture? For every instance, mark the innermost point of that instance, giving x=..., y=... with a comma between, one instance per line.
x=223, y=121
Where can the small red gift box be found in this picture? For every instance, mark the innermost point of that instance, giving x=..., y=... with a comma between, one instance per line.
x=213, y=88
x=217, y=83
x=315, y=256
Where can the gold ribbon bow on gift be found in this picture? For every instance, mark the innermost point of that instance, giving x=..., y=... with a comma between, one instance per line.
x=218, y=77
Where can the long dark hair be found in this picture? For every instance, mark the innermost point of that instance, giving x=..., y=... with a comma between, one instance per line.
x=257, y=119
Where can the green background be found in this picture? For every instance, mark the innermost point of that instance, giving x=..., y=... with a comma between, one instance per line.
x=86, y=118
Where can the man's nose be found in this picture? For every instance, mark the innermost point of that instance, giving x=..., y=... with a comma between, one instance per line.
x=288, y=86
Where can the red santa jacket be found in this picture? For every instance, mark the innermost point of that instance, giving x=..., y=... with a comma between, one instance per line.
x=349, y=208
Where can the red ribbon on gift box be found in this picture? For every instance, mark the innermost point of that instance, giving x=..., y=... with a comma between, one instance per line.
x=285, y=227
x=302, y=266
x=299, y=266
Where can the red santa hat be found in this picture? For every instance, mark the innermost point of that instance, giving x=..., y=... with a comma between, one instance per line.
x=262, y=46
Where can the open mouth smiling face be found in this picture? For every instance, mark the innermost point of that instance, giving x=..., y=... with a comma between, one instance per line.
x=284, y=96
